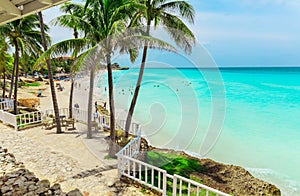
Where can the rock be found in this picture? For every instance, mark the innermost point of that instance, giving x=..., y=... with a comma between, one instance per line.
x=5, y=189
x=31, y=188
x=18, y=181
x=69, y=168
x=41, y=190
x=74, y=192
x=29, y=194
x=43, y=183
x=55, y=187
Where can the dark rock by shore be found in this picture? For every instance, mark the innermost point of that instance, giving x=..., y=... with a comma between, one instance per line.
x=227, y=178
x=16, y=180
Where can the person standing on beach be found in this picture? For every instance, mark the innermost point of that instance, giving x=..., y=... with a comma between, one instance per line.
x=96, y=105
x=96, y=114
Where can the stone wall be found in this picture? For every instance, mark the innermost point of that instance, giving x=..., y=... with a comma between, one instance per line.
x=15, y=179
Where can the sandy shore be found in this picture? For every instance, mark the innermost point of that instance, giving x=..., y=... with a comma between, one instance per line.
x=68, y=158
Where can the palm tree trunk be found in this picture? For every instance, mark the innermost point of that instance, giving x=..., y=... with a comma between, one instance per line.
x=137, y=88
x=71, y=97
x=90, y=103
x=12, y=82
x=72, y=81
x=16, y=65
x=54, y=100
x=112, y=147
x=4, y=82
x=71, y=91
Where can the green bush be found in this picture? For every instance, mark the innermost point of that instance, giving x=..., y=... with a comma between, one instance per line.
x=33, y=84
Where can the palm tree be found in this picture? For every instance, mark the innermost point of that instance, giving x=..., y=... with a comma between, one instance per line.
x=73, y=19
x=23, y=35
x=3, y=59
x=109, y=19
x=54, y=100
x=167, y=13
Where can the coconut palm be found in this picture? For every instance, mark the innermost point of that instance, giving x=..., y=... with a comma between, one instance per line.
x=3, y=59
x=73, y=19
x=109, y=19
x=54, y=100
x=169, y=14
x=24, y=36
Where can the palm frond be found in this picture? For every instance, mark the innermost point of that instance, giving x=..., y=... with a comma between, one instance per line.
x=179, y=32
x=64, y=47
x=185, y=9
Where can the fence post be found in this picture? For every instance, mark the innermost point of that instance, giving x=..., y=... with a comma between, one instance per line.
x=174, y=185
x=164, y=183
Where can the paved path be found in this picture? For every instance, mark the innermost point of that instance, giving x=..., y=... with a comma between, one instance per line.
x=68, y=158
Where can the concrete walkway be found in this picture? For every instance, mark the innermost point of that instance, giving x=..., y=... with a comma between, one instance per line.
x=68, y=158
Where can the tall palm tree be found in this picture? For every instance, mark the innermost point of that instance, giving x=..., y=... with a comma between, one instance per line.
x=73, y=19
x=24, y=36
x=169, y=14
x=109, y=19
x=54, y=100
x=3, y=59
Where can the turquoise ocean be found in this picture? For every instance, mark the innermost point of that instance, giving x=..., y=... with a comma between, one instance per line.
x=256, y=112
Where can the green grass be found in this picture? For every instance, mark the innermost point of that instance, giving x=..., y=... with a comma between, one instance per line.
x=175, y=164
x=33, y=84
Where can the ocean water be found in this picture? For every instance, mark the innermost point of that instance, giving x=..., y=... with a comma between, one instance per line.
x=242, y=116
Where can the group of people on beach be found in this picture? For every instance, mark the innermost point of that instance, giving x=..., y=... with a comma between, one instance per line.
x=96, y=113
x=59, y=87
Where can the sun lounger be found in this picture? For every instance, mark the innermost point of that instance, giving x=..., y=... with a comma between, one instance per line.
x=47, y=122
x=39, y=94
x=68, y=122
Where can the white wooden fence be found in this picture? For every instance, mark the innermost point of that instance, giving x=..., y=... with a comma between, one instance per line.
x=62, y=111
x=104, y=121
x=157, y=178
x=28, y=118
x=8, y=118
x=6, y=104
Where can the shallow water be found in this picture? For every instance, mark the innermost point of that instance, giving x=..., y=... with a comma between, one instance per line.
x=184, y=109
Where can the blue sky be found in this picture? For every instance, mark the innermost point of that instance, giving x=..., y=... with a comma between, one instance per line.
x=239, y=33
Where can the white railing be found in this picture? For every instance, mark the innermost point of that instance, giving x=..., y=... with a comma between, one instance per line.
x=61, y=111
x=135, y=128
x=6, y=104
x=104, y=121
x=80, y=115
x=143, y=173
x=132, y=148
x=193, y=187
x=8, y=118
x=28, y=118
x=155, y=177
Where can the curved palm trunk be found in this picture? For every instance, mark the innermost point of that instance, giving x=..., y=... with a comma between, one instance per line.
x=54, y=100
x=137, y=88
x=71, y=91
x=16, y=65
x=90, y=103
x=71, y=98
x=4, y=82
x=12, y=82
x=72, y=81
x=112, y=146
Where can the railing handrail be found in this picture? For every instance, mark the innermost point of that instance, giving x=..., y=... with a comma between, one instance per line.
x=201, y=185
x=124, y=159
x=143, y=163
x=128, y=145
